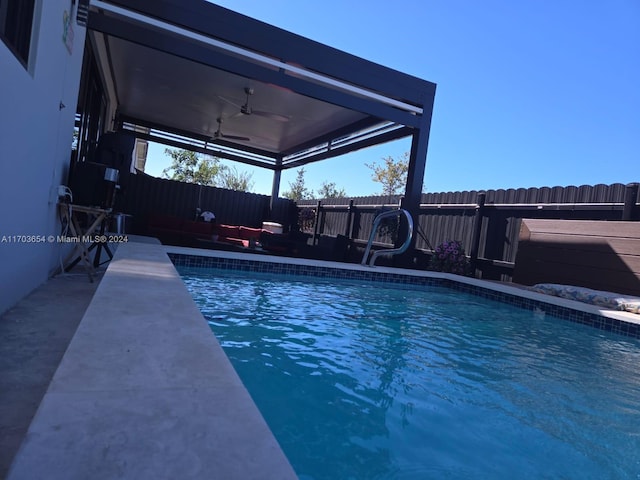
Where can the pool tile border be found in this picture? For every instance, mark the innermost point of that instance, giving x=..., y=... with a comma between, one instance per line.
x=244, y=265
x=600, y=322
x=328, y=272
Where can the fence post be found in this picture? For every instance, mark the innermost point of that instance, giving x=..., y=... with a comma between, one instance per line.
x=348, y=229
x=316, y=222
x=403, y=227
x=477, y=228
x=630, y=197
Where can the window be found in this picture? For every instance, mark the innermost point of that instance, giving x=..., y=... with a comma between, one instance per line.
x=92, y=107
x=16, y=21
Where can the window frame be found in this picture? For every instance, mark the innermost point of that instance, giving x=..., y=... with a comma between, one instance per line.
x=17, y=19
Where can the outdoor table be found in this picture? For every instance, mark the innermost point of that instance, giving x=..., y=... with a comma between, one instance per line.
x=83, y=238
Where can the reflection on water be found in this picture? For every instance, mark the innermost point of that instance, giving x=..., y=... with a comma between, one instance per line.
x=365, y=382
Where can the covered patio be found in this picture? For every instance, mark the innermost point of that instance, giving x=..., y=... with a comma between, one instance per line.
x=193, y=75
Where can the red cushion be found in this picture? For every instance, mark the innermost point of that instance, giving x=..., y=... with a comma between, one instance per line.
x=234, y=241
x=230, y=231
x=247, y=233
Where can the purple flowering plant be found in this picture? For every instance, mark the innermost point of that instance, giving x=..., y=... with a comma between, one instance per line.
x=449, y=257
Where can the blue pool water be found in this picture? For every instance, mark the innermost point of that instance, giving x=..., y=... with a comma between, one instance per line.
x=364, y=381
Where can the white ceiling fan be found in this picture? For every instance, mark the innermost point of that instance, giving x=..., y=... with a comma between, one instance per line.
x=218, y=134
x=246, y=109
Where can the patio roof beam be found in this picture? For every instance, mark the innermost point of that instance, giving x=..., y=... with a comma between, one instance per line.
x=207, y=151
x=155, y=126
x=217, y=22
x=333, y=135
x=352, y=147
x=187, y=49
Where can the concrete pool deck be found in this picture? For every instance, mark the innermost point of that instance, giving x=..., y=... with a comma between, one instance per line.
x=34, y=335
x=144, y=390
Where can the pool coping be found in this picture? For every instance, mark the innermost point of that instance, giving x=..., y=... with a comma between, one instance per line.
x=144, y=390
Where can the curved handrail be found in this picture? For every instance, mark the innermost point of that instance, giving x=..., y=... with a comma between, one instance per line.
x=392, y=251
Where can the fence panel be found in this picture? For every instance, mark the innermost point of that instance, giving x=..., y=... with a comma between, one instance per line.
x=451, y=215
x=145, y=195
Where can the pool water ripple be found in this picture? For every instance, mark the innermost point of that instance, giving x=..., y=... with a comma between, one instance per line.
x=372, y=382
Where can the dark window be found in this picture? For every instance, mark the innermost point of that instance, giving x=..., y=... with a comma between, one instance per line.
x=92, y=107
x=16, y=20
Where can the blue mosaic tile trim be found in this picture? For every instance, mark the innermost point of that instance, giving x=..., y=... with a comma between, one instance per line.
x=576, y=316
x=590, y=319
x=193, y=261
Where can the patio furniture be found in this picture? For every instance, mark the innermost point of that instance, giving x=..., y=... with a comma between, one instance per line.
x=178, y=231
x=84, y=238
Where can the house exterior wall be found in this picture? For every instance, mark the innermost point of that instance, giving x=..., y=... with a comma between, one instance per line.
x=35, y=144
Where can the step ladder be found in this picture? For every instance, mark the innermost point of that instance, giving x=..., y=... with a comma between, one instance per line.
x=391, y=251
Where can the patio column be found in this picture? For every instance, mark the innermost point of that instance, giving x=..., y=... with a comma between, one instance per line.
x=415, y=175
x=275, y=186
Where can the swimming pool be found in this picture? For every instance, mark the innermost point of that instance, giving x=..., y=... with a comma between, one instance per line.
x=381, y=381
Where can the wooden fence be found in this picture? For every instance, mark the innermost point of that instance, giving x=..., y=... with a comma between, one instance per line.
x=142, y=196
x=145, y=195
x=487, y=223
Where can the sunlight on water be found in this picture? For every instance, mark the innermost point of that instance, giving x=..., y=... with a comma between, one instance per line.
x=362, y=381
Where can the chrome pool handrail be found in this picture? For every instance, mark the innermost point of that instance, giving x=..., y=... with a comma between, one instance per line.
x=391, y=251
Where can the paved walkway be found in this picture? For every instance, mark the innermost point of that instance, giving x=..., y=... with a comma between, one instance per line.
x=145, y=391
x=34, y=335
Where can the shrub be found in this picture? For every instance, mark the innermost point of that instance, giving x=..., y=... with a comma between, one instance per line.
x=306, y=219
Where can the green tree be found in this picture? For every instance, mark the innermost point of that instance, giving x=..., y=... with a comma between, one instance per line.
x=298, y=189
x=231, y=178
x=392, y=175
x=190, y=167
x=329, y=190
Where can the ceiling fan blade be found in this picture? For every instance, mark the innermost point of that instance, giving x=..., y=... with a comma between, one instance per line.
x=246, y=110
x=219, y=133
x=224, y=99
x=235, y=137
x=272, y=116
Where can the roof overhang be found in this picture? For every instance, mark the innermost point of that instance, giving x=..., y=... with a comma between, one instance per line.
x=177, y=66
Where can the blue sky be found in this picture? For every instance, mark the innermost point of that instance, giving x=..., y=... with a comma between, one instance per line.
x=530, y=93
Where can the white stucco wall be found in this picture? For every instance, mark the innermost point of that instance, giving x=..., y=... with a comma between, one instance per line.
x=35, y=146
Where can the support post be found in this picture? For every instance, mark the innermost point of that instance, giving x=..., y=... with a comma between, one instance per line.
x=348, y=231
x=477, y=228
x=275, y=186
x=417, y=164
x=630, y=197
x=316, y=222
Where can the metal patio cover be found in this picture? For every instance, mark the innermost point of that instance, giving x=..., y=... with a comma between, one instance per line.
x=178, y=66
